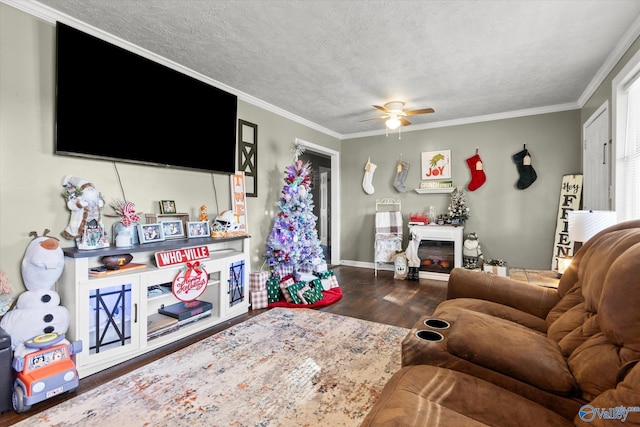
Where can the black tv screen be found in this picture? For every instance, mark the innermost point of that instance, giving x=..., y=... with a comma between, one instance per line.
x=116, y=105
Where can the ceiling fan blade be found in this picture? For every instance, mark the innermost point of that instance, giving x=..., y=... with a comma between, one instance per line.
x=403, y=121
x=384, y=110
x=421, y=111
x=375, y=118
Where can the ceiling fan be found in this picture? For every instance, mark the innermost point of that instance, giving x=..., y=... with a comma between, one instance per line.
x=395, y=114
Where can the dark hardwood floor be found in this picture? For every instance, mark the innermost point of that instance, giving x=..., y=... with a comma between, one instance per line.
x=379, y=299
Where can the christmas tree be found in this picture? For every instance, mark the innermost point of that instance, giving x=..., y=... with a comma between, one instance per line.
x=294, y=238
x=458, y=210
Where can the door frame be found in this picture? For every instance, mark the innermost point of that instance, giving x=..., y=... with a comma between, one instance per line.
x=335, y=194
x=323, y=216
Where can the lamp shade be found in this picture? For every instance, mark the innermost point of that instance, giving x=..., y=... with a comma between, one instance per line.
x=583, y=225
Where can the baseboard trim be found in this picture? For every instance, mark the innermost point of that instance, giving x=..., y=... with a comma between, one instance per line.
x=370, y=265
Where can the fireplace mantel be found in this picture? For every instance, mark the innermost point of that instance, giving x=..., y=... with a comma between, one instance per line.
x=441, y=233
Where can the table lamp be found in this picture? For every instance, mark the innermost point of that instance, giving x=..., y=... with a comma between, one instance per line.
x=583, y=225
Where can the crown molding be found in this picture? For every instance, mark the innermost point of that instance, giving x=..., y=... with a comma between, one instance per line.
x=475, y=119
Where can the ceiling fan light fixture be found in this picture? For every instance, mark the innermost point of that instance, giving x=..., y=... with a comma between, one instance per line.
x=393, y=122
x=394, y=106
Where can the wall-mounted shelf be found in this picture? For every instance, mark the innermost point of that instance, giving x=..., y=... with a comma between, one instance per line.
x=434, y=190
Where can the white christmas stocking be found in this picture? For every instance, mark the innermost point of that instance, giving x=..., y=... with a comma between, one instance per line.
x=367, y=182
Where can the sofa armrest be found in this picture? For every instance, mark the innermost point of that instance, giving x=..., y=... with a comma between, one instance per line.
x=532, y=299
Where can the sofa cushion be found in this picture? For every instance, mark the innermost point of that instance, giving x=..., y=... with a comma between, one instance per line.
x=511, y=349
x=573, y=328
x=587, y=276
x=597, y=362
x=424, y=395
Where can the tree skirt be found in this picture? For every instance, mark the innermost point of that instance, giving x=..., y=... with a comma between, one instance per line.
x=329, y=297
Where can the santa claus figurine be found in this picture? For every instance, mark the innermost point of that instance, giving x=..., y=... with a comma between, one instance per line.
x=85, y=225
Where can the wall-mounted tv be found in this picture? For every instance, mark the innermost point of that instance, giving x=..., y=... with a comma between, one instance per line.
x=116, y=105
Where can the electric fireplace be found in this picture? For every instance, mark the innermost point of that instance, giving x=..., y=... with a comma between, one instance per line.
x=439, y=249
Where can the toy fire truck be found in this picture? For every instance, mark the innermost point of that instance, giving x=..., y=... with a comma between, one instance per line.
x=47, y=371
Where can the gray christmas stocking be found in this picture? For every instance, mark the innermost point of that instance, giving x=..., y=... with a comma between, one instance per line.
x=401, y=175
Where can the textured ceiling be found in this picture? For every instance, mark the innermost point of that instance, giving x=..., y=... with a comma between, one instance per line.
x=327, y=62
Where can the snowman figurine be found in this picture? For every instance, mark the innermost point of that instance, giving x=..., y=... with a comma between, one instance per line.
x=38, y=310
x=471, y=252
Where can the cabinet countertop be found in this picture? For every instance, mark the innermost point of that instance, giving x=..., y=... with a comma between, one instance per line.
x=147, y=247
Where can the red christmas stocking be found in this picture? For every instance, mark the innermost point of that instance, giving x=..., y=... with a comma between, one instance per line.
x=477, y=173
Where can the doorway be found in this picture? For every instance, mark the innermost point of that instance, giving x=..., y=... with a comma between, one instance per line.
x=324, y=189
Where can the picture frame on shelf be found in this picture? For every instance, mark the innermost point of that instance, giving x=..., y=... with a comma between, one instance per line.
x=168, y=207
x=198, y=229
x=172, y=229
x=149, y=233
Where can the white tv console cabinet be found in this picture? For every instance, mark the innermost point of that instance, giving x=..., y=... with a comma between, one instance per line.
x=110, y=313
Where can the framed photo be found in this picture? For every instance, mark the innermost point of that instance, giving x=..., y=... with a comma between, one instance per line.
x=149, y=233
x=198, y=229
x=436, y=165
x=172, y=229
x=168, y=207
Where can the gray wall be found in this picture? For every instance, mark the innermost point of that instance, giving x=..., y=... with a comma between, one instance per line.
x=515, y=225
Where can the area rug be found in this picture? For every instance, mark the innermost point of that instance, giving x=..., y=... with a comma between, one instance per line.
x=284, y=367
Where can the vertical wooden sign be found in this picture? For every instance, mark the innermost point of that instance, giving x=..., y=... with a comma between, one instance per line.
x=570, y=199
x=238, y=200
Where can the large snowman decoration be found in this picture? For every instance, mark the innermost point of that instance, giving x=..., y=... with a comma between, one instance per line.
x=38, y=310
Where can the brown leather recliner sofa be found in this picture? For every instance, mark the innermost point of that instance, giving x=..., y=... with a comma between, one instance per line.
x=500, y=352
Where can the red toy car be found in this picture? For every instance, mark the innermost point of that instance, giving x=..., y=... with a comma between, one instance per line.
x=46, y=372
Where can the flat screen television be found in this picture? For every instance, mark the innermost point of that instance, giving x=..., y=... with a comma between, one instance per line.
x=116, y=105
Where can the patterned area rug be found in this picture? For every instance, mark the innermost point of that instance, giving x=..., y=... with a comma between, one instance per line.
x=284, y=367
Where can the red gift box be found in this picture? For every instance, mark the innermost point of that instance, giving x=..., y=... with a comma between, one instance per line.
x=259, y=299
x=258, y=280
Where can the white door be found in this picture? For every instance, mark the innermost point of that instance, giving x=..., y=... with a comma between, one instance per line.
x=596, y=161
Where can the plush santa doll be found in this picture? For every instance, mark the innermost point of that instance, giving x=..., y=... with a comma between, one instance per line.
x=84, y=202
